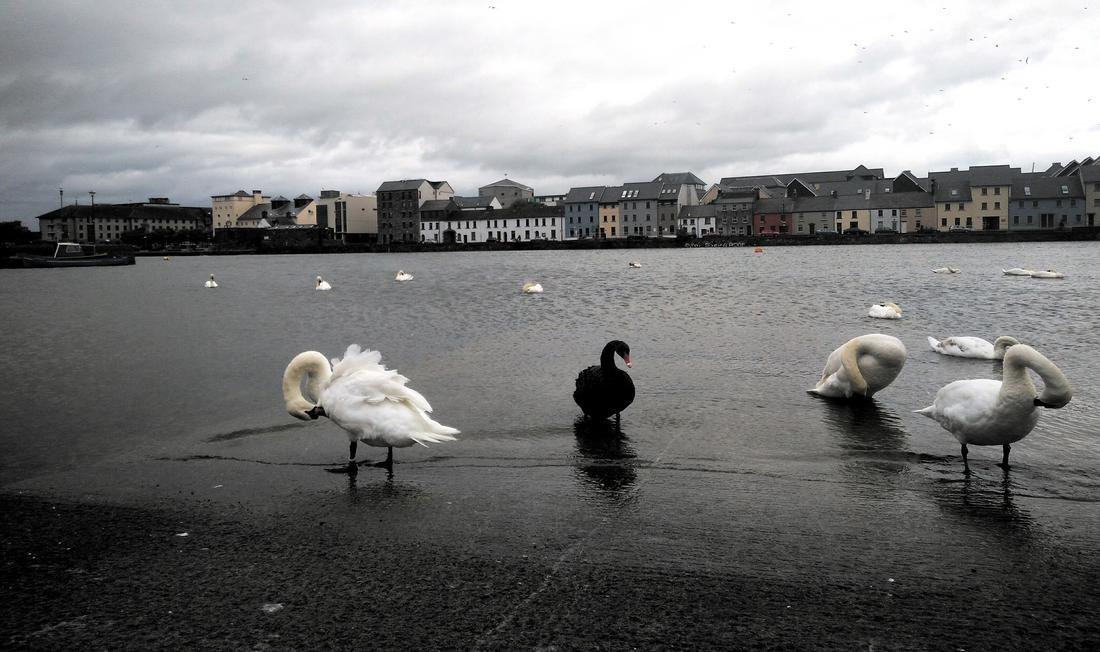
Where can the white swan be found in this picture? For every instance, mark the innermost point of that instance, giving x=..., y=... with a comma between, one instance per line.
x=1017, y=271
x=973, y=347
x=634, y=263
x=532, y=288
x=987, y=412
x=211, y=283
x=886, y=310
x=322, y=284
x=946, y=270
x=402, y=275
x=371, y=403
x=861, y=366
x=1049, y=273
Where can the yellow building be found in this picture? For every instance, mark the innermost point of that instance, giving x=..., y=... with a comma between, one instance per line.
x=227, y=208
x=976, y=199
x=609, y=213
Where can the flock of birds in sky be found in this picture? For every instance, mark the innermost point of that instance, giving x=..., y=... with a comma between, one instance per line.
x=374, y=405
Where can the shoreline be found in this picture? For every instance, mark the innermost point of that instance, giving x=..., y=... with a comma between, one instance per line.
x=80, y=574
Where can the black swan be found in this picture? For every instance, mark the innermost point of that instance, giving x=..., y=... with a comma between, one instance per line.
x=604, y=389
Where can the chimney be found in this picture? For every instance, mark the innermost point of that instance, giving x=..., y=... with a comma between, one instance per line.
x=257, y=197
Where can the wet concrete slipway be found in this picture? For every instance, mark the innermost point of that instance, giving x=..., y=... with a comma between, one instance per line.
x=156, y=495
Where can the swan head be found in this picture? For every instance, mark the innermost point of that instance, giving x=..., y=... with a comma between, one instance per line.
x=1002, y=344
x=211, y=277
x=304, y=410
x=620, y=348
x=313, y=367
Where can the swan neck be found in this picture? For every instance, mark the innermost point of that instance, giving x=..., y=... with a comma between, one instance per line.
x=607, y=358
x=1020, y=357
x=314, y=368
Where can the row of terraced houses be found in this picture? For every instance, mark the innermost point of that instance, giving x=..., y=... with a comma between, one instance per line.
x=862, y=199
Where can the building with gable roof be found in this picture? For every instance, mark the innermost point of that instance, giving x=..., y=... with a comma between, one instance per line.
x=581, y=216
x=638, y=205
x=973, y=199
x=399, y=205
x=507, y=192
x=226, y=209
x=1042, y=202
x=608, y=218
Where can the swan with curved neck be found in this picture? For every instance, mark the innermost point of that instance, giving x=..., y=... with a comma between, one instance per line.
x=371, y=403
x=322, y=284
x=887, y=310
x=603, y=390
x=402, y=275
x=861, y=367
x=987, y=412
x=211, y=283
x=973, y=347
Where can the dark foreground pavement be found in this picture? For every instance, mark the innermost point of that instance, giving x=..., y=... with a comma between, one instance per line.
x=93, y=576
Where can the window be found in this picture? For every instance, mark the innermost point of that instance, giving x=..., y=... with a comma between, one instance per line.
x=969, y=222
x=985, y=191
x=997, y=190
x=1016, y=219
x=985, y=206
x=997, y=205
x=1020, y=204
x=957, y=222
x=947, y=207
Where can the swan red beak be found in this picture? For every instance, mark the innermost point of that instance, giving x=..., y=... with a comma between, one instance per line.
x=626, y=359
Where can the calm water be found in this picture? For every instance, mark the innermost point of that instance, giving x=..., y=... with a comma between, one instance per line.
x=118, y=366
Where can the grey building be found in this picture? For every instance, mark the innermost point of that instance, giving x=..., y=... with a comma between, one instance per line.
x=638, y=208
x=507, y=192
x=399, y=205
x=582, y=212
x=1040, y=202
x=107, y=222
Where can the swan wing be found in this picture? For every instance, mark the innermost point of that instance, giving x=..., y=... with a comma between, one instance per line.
x=964, y=405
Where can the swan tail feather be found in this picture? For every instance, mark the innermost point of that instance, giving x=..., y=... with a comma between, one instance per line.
x=934, y=343
x=926, y=411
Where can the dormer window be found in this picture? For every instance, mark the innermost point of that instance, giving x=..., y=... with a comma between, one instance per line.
x=1065, y=190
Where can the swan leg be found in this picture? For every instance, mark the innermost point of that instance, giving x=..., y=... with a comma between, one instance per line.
x=618, y=421
x=352, y=466
x=388, y=464
x=966, y=464
x=1004, y=458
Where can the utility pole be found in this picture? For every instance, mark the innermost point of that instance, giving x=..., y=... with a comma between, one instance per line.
x=61, y=197
x=92, y=193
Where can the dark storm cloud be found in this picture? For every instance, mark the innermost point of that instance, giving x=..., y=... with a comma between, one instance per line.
x=193, y=99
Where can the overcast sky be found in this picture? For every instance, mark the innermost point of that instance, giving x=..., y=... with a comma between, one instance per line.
x=191, y=99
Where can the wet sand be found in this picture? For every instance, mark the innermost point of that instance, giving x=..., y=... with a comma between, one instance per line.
x=82, y=574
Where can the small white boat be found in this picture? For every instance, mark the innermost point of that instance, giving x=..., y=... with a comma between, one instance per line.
x=1017, y=271
x=1049, y=273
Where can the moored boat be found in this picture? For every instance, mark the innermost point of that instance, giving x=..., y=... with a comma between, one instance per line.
x=74, y=254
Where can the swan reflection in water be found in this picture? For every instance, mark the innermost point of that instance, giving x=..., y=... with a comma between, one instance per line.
x=987, y=508
x=863, y=425
x=604, y=458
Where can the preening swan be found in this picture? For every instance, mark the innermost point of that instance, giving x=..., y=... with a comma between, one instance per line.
x=211, y=283
x=1017, y=271
x=946, y=270
x=322, y=284
x=973, y=347
x=886, y=310
x=1049, y=273
x=634, y=263
x=371, y=403
x=402, y=275
x=604, y=389
x=532, y=288
x=987, y=412
x=861, y=366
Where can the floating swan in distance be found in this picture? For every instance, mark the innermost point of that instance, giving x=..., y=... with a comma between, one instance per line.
x=402, y=275
x=532, y=288
x=886, y=310
x=861, y=366
x=946, y=270
x=634, y=263
x=211, y=283
x=371, y=403
x=167, y=258
x=987, y=412
x=1017, y=271
x=973, y=347
x=322, y=284
x=1049, y=273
